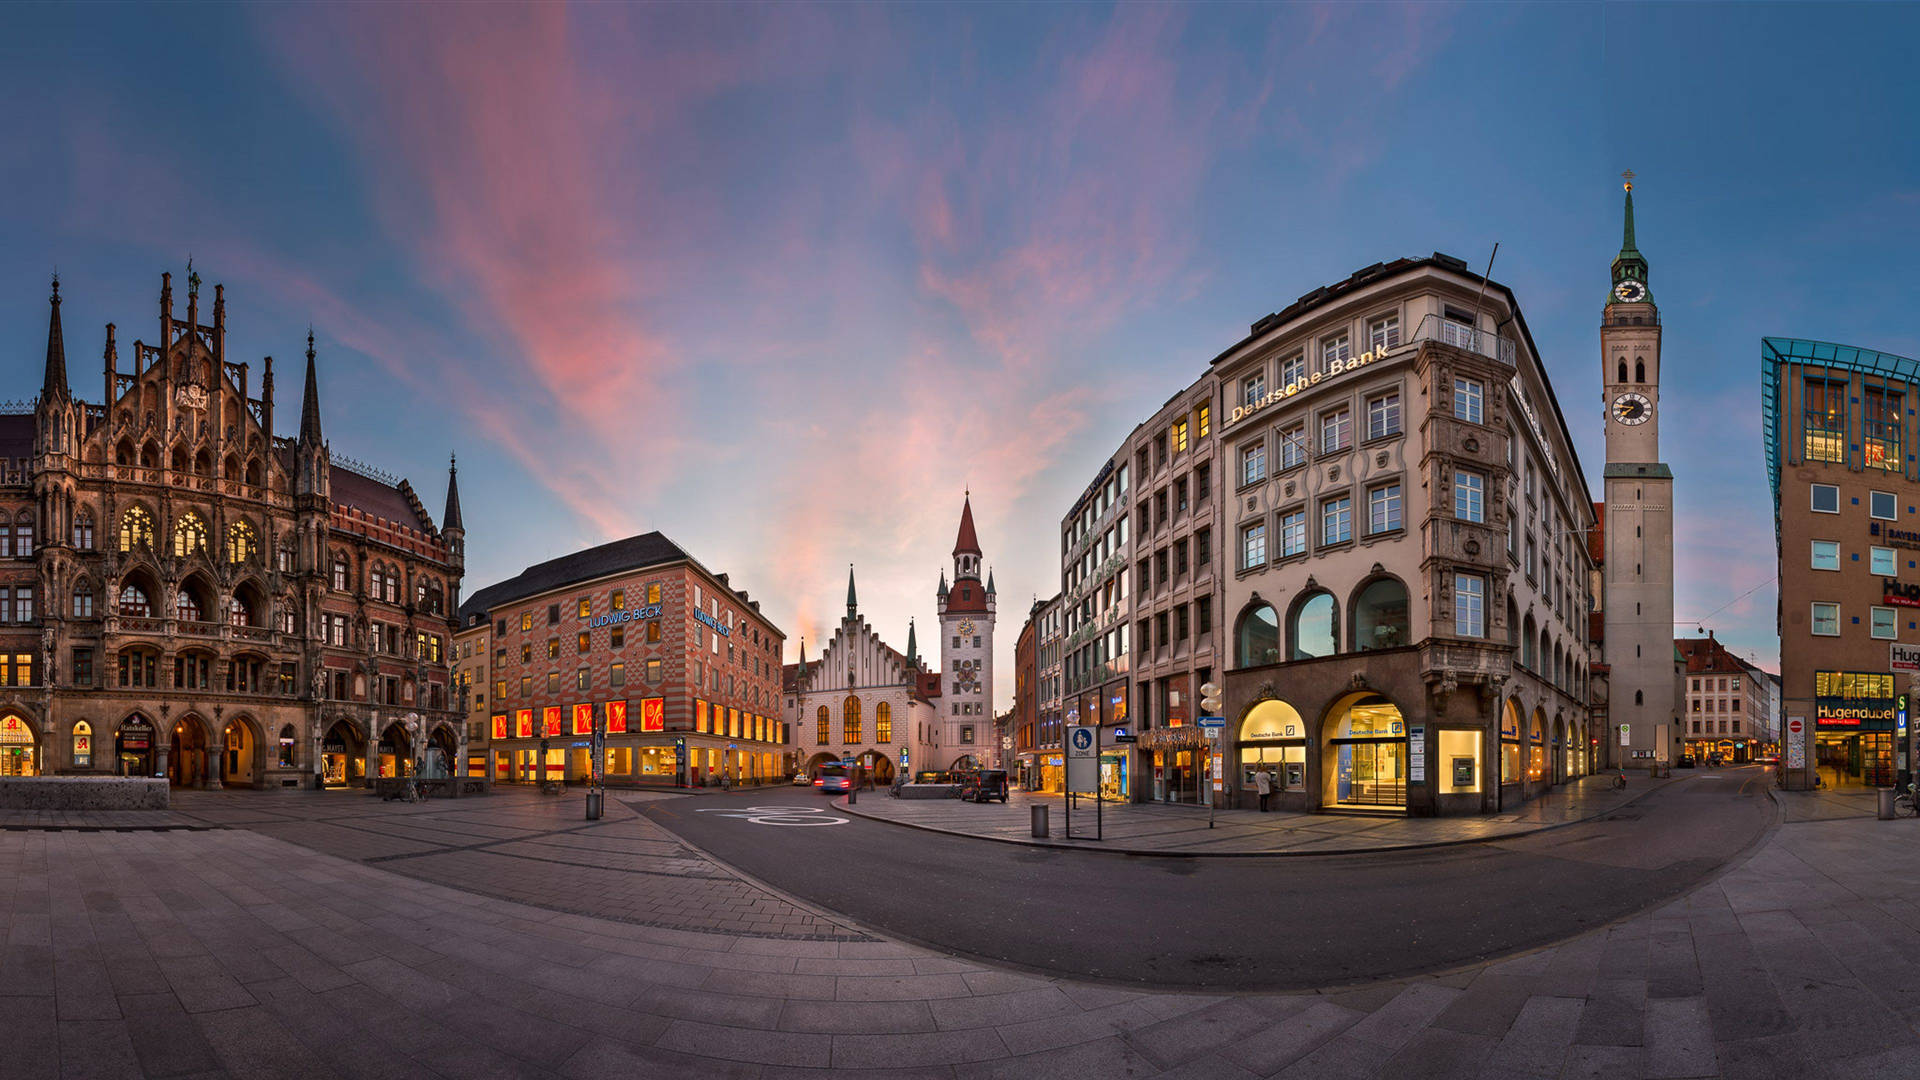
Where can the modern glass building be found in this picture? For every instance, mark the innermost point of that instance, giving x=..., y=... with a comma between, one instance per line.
x=1839, y=424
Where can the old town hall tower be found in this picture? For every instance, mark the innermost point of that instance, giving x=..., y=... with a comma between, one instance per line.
x=1638, y=575
x=966, y=649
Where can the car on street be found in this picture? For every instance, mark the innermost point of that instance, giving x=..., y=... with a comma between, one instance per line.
x=833, y=779
x=800, y=780
x=1685, y=762
x=984, y=785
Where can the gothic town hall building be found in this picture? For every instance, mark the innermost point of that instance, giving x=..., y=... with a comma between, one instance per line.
x=185, y=593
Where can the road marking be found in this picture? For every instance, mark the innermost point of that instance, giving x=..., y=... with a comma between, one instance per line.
x=780, y=815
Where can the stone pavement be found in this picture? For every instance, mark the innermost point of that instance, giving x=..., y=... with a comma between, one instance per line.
x=235, y=953
x=1159, y=829
x=1827, y=804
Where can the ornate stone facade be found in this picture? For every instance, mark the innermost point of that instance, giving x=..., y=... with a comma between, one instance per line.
x=209, y=601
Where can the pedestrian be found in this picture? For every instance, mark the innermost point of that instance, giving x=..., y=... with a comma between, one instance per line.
x=1263, y=783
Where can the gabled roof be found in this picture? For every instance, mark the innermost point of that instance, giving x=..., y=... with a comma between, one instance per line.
x=632, y=553
x=377, y=498
x=966, y=543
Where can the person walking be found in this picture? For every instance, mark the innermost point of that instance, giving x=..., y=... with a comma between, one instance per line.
x=1263, y=784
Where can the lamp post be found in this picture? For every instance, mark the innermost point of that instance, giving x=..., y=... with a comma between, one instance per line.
x=597, y=793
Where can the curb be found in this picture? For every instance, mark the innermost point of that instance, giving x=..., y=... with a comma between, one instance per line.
x=841, y=804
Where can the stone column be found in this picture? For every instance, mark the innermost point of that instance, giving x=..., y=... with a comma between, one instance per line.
x=372, y=753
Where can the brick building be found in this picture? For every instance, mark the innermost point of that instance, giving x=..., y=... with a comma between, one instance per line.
x=188, y=594
x=681, y=668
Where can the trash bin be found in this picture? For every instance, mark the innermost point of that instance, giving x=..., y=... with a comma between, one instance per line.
x=1040, y=820
x=1886, y=804
x=595, y=803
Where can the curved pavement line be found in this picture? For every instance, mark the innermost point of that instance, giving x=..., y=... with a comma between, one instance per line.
x=1735, y=861
x=1292, y=854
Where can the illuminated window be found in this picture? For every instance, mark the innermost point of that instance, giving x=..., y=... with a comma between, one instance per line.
x=883, y=723
x=586, y=607
x=653, y=596
x=136, y=529
x=241, y=543
x=822, y=726
x=189, y=535
x=585, y=641
x=1179, y=435
x=617, y=674
x=1824, y=420
x=850, y=720
x=619, y=599
x=1205, y=418
x=653, y=630
x=1882, y=427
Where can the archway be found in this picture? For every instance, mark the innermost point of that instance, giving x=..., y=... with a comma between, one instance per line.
x=1511, y=757
x=1380, y=615
x=1537, y=747
x=19, y=746
x=878, y=767
x=187, y=753
x=964, y=762
x=1273, y=740
x=442, y=753
x=817, y=760
x=1364, y=753
x=240, y=763
x=1559, y=750
x=133, y=747
x=395, y=752
x=343, y=755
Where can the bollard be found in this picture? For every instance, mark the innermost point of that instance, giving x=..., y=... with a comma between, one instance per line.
x=595, y=803
x=853, y=794
x=1039, y=821
x=1886, y=804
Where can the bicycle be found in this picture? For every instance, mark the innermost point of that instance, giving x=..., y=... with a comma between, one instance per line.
x=1904, y=804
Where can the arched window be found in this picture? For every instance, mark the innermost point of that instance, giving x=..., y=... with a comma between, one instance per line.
x=1528, y=658
x=340, y=574
x=186, y=606
x=136, y=529
x=83, y=530
x=237, y=613
x=1623, y=370
x=1380, y=618
x=189, y=535
x=822, y=732
x=883, y=723
x=83, y=601
x=1315, y=630
x=1513, y=626
x=135, y=601
x=1509, y=744
x=850, y=720
x=241, y=543
x=1258, y=641
x=1639, y=370
x=1545, y=670
x=1639, y=697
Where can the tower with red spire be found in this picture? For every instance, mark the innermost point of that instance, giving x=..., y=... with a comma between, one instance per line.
x=966, y=651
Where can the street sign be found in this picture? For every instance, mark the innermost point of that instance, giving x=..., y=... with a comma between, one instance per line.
x=1219, y=773
x=1213, y=733
x=1416, y=753
x=1796, y=742
x=1213, y=721
x=1123, y=737
x=1083, y=759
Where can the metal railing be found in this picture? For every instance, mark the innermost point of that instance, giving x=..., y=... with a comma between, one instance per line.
x=1461, y=336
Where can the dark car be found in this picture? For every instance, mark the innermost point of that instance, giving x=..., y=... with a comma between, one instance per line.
x=1685, y=762
x=984, y=785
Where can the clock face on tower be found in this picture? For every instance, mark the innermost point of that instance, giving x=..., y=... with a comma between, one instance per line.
x=966, y=627
x=1631, y=409
x=1630, y=292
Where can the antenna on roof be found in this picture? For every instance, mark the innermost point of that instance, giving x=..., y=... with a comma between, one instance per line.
x=1483, y=291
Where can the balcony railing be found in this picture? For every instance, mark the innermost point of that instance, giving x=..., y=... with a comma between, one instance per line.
x=1461, y=336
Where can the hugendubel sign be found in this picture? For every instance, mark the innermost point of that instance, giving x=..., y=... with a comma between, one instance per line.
x=1903, y=657
x=1907, y=595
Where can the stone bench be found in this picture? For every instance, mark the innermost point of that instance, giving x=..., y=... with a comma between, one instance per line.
x=83, y=793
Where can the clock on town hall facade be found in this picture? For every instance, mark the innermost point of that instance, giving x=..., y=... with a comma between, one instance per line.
x=966, y=654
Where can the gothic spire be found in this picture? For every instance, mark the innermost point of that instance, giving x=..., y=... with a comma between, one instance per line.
x=800, y=675
x=451, y=520
x=913, y=649
x=851, y=602
x=966, y=543
x=989, y=582
x=1629, y=265
x=54, y=387
x=310, y=402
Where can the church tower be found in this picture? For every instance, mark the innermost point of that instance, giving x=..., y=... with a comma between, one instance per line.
x=966, y=651
x=1638, y=573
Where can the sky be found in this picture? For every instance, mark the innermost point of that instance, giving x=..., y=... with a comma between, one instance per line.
x=785, y=281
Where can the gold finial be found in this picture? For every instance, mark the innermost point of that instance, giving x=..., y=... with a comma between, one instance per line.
x=1628, y=177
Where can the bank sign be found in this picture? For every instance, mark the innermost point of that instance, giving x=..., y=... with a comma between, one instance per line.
x=1278, y=394
x=645, y=611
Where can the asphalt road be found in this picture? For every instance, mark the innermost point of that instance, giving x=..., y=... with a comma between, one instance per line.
x=1239, y=923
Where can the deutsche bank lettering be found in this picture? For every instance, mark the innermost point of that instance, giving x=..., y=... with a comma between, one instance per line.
x=711, y=621
x=648, y=611
x=1334, y=367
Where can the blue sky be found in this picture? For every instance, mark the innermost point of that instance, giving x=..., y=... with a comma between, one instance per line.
x=783, y=281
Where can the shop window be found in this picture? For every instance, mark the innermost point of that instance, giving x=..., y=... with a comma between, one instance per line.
x=82, y=745
x=1510, y=744
x=286, y=746
x=1459, y=762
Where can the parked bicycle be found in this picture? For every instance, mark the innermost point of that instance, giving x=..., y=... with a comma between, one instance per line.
x=1904, y=804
